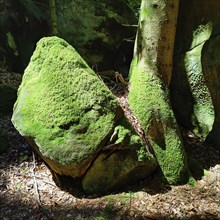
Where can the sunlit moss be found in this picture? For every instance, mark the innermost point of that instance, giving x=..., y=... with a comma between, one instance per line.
x=203, y=109
x=149, y=99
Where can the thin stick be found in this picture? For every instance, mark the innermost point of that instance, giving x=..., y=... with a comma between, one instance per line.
x=37, y=196
x=36, y=189
x=38, y=177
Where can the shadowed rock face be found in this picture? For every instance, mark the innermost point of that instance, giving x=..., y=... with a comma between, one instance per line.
x=195, y=82
x=211, y=71
x=73, y=121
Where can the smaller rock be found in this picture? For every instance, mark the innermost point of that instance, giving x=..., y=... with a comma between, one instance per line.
x=119, y=164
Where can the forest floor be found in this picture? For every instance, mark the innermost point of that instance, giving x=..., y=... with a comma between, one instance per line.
x=27, y=190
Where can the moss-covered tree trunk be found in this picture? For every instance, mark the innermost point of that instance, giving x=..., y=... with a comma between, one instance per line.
x=150, y=74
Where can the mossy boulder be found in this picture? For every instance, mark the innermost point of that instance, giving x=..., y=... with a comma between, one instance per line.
x=61, y=103
x=124, y=162
x=96, y=29
x=70, y=116
x=8, y=95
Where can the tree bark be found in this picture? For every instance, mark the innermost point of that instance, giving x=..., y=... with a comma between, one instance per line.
x=150, y=74
x=156, y=35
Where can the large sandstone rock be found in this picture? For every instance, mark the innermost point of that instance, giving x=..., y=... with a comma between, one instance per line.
x=195, y=82
x=74, y=122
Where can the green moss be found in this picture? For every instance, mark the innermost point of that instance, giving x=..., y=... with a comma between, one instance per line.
x=147, y=12
x=125, y=135
x=203, y=109
x=122, y=134
x=142, y=154
x=100, y=217
x=63, y=105
x=11, y=43
x=120, y=165
x=149, y=99
x=201, y=34
x=191, y=181
x=206, y=172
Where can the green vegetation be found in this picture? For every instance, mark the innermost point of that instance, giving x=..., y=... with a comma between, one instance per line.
x=135, y=5
x=100, y=217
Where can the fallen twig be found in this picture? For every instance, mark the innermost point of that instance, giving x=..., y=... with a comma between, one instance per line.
x=36, y=189
x=37, y=196
x=37, y=177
